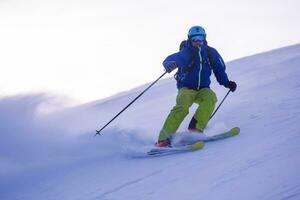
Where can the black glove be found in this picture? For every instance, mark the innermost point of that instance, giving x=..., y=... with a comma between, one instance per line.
x=170, y=66
x=232, y=86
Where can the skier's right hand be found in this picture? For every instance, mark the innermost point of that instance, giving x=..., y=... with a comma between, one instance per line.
x=170, y=66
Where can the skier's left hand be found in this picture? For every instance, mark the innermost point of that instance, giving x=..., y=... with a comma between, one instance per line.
x=232, y=86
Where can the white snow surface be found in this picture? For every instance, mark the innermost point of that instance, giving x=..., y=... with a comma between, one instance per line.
x=54, y=154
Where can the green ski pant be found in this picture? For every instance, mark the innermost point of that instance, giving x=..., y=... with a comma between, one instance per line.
x=205, y=98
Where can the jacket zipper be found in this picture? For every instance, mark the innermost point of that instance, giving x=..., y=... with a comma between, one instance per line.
x=200, y=70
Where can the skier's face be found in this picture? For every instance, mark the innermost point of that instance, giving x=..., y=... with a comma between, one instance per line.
x=198, y=40
x=197, y=43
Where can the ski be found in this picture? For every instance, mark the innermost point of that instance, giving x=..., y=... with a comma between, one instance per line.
x=197, y=144
x=177, y=149
x=232, y=132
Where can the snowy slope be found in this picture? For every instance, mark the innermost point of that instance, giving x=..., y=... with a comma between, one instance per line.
x=56, y=156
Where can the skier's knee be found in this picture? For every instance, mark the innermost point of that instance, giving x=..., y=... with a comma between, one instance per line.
x=181, y=111
x=211, y=96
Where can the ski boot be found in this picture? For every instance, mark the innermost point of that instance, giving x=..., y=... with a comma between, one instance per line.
x=163, y=143
x=192, y=126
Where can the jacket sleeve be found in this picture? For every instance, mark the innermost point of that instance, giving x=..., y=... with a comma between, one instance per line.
x=219, y=68
x=181, y=58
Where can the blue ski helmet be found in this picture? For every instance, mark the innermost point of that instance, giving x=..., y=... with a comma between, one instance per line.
x=197, y=33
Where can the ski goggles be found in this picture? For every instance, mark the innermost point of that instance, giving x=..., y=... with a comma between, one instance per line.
x=197, y=38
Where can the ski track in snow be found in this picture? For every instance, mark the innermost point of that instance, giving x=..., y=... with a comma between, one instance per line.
x=54, y=155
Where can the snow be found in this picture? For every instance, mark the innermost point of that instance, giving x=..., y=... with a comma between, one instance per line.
x=50, y=152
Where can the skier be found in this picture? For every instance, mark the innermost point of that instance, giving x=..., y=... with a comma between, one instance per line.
x=195, y=62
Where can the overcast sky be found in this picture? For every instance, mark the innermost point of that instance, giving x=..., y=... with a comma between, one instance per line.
x=88, y=49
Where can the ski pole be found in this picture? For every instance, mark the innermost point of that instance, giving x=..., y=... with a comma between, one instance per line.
x=98, y=131
x=220, y=104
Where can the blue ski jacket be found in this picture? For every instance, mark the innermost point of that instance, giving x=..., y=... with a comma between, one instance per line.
x=195, y=67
